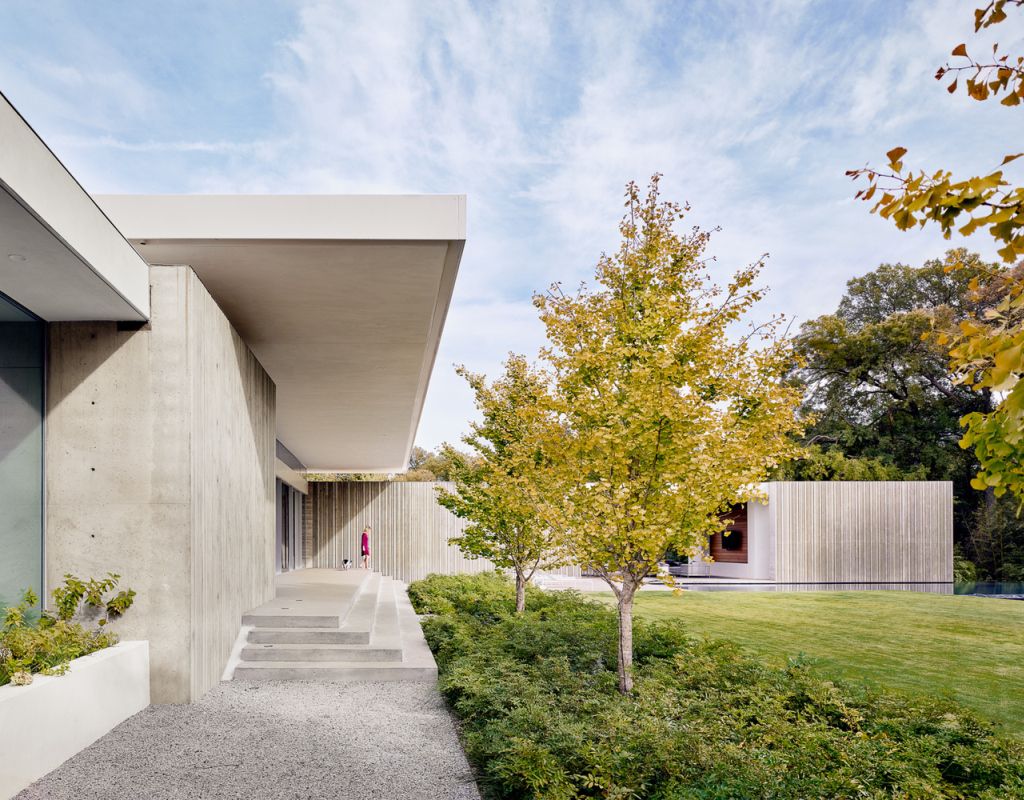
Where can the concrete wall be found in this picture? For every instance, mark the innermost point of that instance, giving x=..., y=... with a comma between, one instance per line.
x=160, y=452
x=872, y=531
x=232, y=482
x=410, y=530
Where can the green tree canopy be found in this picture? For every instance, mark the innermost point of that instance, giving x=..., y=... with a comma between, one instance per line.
x=886, y=402
x=880, y=388
x=501, y=487
x=667, y=417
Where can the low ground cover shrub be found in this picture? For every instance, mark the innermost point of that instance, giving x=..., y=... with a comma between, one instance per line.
x=541, y=716
x=33, y=642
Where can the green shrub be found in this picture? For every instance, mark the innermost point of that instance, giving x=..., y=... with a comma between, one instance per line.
x=46, y=643
x=486, y=594
x=541, y=717
x=964, y=571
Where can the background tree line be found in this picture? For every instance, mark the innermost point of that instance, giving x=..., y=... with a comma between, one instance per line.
x=424, y=465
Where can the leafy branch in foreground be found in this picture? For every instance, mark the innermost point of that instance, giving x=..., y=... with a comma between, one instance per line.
x=985, y=352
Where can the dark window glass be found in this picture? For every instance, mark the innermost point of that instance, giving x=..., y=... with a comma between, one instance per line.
x=732, y=540
x=21, y=452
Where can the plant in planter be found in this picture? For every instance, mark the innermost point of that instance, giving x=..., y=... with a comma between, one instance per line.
x=47, y=643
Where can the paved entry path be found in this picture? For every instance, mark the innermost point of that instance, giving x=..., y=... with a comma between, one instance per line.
x=270, y=739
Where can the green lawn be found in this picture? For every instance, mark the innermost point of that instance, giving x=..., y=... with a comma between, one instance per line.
x=969, y=647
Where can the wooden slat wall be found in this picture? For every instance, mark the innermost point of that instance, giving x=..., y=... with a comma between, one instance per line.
x=871, y=531
x=410, y=530
x=307, y=530
x=232, y=467
x=738, y=526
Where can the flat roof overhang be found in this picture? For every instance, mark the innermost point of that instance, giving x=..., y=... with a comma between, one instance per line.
x=60, y=257
x=341, y=298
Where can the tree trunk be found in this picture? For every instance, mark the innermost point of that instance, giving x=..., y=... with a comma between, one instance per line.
x=626, y=637
x=520, y=592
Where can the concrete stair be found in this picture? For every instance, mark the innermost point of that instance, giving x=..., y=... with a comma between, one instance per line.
x=330, y=625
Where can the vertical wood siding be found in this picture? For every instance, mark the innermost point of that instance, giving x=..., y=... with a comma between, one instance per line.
x=870, y=531
x=410, y=530
x=307, y=530
x=232, y=468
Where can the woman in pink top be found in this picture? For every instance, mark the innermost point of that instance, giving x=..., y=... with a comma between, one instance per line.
x=365, y=546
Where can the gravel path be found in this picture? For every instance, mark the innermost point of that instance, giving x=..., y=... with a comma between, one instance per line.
x=269, y=739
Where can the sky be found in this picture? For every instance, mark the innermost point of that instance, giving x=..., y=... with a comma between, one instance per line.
x=540, y=112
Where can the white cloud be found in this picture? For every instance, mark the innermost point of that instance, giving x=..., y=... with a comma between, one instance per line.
x=540, y=112
x=541, y=118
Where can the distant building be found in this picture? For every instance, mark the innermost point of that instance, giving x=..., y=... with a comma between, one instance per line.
x=839, y=532
x=171, y=365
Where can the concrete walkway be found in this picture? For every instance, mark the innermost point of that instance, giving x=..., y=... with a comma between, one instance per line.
x=271, y=739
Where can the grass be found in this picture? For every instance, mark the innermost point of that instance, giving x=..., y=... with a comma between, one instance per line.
x=968, y=648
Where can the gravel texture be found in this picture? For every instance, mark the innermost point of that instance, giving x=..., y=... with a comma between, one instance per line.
x=268, y=739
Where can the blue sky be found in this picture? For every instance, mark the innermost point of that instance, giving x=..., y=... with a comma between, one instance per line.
x=539, y=112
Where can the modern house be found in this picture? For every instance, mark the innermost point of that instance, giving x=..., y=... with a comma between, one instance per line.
x=813, y=532
x=170, y=365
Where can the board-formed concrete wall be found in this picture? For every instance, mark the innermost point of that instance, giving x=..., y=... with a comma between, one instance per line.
x=160, y=467
x=867, y=531
x=232, y=455
x=410, y=530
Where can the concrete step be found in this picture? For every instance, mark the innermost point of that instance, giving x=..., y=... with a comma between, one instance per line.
x=265, y=620
x=377, y=636
x=333, y=671
x=320, y=652
x=386, y=630
x=363, y=612
x=306, y=600
x=307, y=636
x=415, y=651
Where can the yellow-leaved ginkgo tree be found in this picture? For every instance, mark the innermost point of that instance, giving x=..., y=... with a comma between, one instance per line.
x=669, y=413
x=502, y=485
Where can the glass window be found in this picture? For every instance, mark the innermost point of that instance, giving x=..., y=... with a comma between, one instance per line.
x=732, y=540
x=21, y=452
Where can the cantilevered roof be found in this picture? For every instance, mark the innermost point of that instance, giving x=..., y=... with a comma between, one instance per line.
x=60, y=257
x=341, y=298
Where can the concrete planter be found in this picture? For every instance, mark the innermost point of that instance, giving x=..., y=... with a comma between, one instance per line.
x=47, y=722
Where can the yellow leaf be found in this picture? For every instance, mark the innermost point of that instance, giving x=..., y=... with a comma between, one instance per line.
x=896, y=154
x=1009, y=359
x=960, y=50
